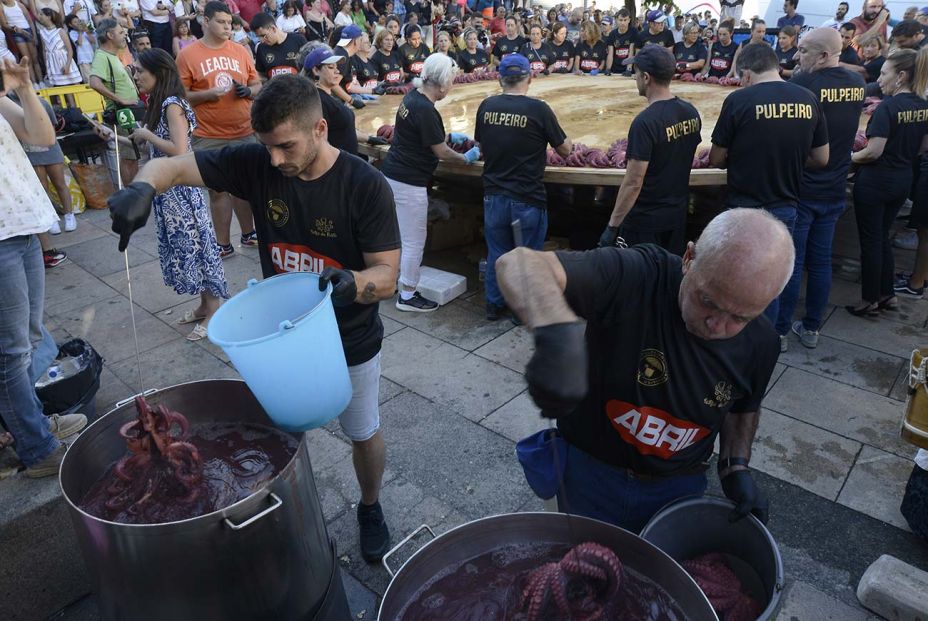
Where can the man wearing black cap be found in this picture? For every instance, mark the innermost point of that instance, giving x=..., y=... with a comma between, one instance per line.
x=766, y=133
x=656, y=33
x=514, y=132
x=652, y=202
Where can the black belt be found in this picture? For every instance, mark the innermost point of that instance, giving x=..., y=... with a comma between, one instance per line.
x=653, y=476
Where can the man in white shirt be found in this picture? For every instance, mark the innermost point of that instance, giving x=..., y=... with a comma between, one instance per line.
x=677, y=29
x=85, y=9
x=839, y=19
x=26, y=347
x=156, y=17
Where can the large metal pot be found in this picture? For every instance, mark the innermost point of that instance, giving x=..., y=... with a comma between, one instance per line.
x=265, y=557
x=487, y=534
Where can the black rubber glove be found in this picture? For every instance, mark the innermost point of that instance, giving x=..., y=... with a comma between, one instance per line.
x=608, y=72
x=241, y=90
x=344, y=288
x=357, y=102
x=557, y=373
x=739, y=487
x=610, y=238
x=377, y=141
x=129, y=208
x=380, y=89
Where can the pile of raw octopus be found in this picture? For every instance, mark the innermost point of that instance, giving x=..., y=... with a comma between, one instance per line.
x=689, y=77
x=464, y=78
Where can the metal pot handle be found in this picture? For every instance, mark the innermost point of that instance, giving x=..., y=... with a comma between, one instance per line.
x=277, y=502
x=405, y=540
x=144, y=393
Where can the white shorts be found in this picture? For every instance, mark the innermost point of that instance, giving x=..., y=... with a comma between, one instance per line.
x=361, y=419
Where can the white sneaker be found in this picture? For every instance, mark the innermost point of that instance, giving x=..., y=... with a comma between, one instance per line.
x=56, y=228
x=70, y=222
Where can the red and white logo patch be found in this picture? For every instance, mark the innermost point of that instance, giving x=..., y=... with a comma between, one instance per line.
x=653, y=431
x=297, y=258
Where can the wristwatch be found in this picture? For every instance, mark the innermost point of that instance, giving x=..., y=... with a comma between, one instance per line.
x=727, y=462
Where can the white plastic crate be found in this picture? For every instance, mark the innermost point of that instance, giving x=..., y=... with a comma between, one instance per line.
x=439, y=286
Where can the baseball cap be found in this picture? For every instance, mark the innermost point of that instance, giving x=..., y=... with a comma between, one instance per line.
x=923, y=10
x=654, y=59
x=654, y=16
x=349, y=34
x=607, y=19
x=513, y=65
x=320, y=56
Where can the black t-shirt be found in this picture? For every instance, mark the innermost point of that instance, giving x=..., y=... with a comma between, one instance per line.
x=364, y=70
x=840, y=93
x=769, y=130
x=787, y=60
x=621, y=43
x=665, y=134
x=418, y=126
x=903, y=120
x=562, y=55
x=591, y=56
x=340, y=119
x=389, y=66
x=873, y=68
x=658, y=394
x=849, y=56
x=271, y=60
x=514, y=132
x=306, y=226
x=345, y=67
x=538, y=59
x=413, y=58
x=504, y=45
x=317, y=31
x=721, y=58
x=664, y=37
x=476, y=61
x=691, y=54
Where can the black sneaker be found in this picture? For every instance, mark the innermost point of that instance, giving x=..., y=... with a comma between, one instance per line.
x=249, y=240
x=416, y=304
x=375, y=536
x=494, y=312
x=904, y=288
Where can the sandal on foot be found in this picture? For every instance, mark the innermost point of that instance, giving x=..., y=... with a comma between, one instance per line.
x=870, y=310
x=198, y=333
x=890, y=304
x=189, y=317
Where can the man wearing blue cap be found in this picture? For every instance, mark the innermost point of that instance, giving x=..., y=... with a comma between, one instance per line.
x=348, y=42
x=652, y=202
x=656, y=33
x=514, y=132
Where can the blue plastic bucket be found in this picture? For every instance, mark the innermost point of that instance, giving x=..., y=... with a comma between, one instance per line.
x=283, y=339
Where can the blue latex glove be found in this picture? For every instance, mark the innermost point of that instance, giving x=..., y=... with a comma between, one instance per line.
x=367, y=97
x=594, y=72
x=472, y=155
x=458, y=138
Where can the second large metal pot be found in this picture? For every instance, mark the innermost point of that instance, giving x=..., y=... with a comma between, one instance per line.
x=472, y=539
x=265, y=557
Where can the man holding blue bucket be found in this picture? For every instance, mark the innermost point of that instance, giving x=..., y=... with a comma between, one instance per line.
x=316, y=209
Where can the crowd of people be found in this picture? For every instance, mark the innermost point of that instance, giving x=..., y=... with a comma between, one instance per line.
x=251, y=104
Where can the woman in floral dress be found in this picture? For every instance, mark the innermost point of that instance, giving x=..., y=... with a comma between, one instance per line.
x=187, y=245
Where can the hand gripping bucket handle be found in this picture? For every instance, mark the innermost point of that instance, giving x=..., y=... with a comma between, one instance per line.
x=282, y=336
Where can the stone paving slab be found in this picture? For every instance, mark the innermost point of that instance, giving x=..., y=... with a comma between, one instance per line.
x=102, y=258
x=844, y=362
x=175, y=362
x=814, y=459
x=803, y=602
x=462, y=382
x=876, y=485
x=458, y=323
x=69, y=287
x=86, y=230
x=848, y=411
x=512, y=349
x=884, y=334
x=517, y=419
x=778, y=370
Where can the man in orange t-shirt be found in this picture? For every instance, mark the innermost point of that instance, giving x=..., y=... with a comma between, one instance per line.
x=221, y=80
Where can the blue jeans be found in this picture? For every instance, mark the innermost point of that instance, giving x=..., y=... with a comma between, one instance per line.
x=499, y=212
x=597, y=490
x=812, y=235
x=787, y=215
x=26, y=348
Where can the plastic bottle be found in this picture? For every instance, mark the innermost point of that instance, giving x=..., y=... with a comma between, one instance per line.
x=61, y=369
x=482, y=269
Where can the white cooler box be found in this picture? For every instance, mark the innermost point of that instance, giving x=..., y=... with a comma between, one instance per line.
x=439, y=286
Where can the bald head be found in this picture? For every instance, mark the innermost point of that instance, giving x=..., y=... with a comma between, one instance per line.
x=740, y=263
x=820, y=49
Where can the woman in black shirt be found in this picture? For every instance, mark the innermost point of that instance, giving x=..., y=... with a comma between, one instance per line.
x=722, y=53
x=364, y=68
x=562, y=49
x=472, y=59
x=537, y=51
x=387, y=58
x=590, y=53
x=690, y=54
x=418, y=144
x=443, y=45
x=897, y=133
x=318, y=25
x=413, y=52
x=511, y=43
x=786, y=51
x=872, y=59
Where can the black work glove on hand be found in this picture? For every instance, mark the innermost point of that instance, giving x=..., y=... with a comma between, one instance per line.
x=377, y=141
x=344, y=288
x=739, y=487
x=129, y=208
x=557, y=373
x=610, y=238
x=242, y=91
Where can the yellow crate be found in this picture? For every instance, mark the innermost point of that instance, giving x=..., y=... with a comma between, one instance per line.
x=87, y=99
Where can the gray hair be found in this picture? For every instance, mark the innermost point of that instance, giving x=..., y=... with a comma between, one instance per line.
x=438, y=70
x=104, y=28
x=746, y=233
